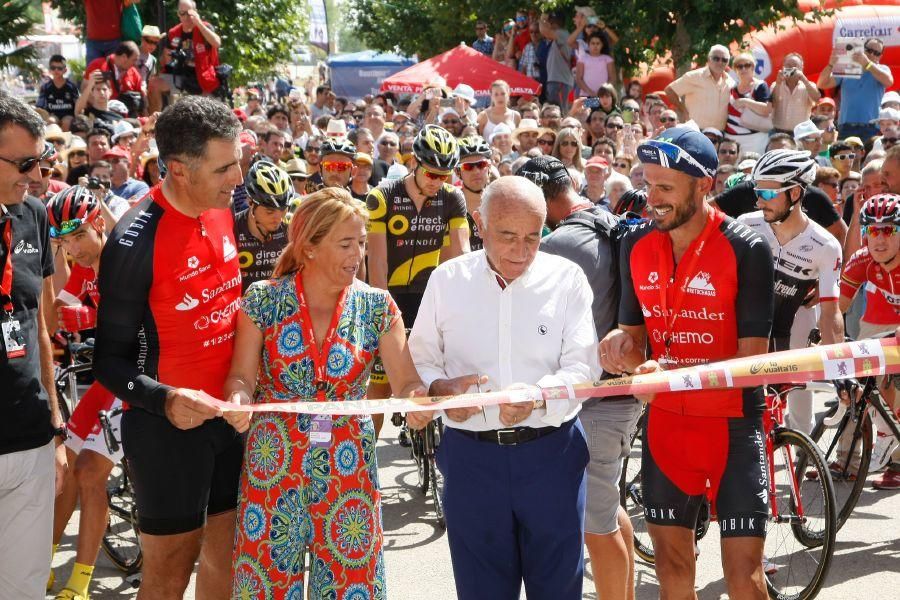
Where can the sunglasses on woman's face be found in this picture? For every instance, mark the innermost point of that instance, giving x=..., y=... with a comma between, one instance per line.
x=543, y=142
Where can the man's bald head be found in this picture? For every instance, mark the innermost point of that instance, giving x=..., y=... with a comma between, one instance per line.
x=512, y=194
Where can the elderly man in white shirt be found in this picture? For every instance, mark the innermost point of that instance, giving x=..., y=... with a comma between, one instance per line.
x=504, y=317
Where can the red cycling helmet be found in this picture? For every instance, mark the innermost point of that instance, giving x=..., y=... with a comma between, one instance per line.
x=69, y=209
x=881, y=209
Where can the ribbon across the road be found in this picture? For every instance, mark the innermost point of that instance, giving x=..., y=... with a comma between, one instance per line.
x=820, y=363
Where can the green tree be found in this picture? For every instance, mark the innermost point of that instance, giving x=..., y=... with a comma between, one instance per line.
x=686, y=28
x=17, y=17
x=256, y=36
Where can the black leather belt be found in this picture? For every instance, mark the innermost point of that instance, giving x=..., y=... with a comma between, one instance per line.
x=509, y=437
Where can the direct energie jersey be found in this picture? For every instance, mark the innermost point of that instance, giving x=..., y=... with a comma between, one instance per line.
x=812, y=256
x=256, y=258
x=720, y=291
x=171, y=290
x=882, y=288
x=414, y=237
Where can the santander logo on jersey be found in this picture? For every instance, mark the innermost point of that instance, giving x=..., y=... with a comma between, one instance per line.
x=187, y=303
x=228, y=248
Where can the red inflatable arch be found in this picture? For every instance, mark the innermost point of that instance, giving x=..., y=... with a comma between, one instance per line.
x=813, y=41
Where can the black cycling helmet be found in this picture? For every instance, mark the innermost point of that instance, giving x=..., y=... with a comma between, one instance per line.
x=336, y=146
x=881, y=209
x=69, y=209
x=633, y=201
x=436, y=147
x=269, y=185
x=49, y=152
x=473, y=145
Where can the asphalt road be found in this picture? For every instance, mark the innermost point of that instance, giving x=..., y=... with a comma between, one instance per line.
x=866, y=564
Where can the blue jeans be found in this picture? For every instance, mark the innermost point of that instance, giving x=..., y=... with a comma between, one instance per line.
x=99, y=48
x=861, y=130
x=558, y=93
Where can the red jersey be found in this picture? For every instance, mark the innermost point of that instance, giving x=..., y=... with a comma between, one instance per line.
x=721, y=290
x=882, y=288
x=130, y=81
x=103, y=19
x=81, y=288
x=171, y=290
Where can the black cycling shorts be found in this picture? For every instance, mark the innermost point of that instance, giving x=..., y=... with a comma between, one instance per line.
x=682, y=453
x=180, y=476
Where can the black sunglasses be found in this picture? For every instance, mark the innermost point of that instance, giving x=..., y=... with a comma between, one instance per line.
x=719, y=59
x=25, y=165
x=873, y=52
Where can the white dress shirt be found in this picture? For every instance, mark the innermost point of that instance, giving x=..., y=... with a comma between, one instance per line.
x=539, y=330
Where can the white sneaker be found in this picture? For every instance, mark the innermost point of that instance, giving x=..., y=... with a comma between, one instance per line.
x=882, y=450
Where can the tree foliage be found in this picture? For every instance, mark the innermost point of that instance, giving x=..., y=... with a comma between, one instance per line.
x=256, y=35
x=686, y=28
x=16, y=20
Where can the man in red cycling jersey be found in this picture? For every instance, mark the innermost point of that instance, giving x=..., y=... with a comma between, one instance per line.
x=171, y=288
x=700, y=286
x=876, y=267
x=76, y=223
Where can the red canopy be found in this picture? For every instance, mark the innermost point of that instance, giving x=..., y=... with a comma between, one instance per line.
x=460, y=65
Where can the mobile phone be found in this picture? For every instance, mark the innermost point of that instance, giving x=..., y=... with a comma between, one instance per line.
x=592, y=102
x=628, y=116
x=445, y=102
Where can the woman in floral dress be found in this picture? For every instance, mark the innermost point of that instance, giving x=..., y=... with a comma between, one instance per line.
x=309, y=487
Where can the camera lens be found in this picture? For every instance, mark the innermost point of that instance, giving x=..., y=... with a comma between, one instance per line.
x=849, y=47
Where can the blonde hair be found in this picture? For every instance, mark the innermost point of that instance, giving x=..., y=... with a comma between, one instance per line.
x=565, y=133
x=316, y=216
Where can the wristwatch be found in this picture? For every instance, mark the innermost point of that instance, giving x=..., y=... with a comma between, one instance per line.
x=540, y=403
x=61, y=432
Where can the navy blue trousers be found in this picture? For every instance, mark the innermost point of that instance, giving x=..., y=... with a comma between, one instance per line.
x=516, y=513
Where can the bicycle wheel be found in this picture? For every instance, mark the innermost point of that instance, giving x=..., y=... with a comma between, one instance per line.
x=803, y=507
x=121, y=540
x=417, y=449
x=847, y=449
x=433, y=437
x=631, y=498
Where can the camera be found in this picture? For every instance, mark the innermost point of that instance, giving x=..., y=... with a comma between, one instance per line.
x=94, y=183
x=178, y=62
x=849, y=48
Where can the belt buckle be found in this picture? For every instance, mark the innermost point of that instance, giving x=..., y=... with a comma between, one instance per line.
x=510, y=433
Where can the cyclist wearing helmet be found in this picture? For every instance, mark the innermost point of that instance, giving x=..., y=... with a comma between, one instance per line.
x=807, y=263
x=876, y=267
x=698, y=287
x=260, y=231
x=415, y=223
x=76, y=223
x=474, y=171
x=337, y=166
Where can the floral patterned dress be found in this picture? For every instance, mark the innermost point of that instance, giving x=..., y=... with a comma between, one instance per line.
x=297, y=496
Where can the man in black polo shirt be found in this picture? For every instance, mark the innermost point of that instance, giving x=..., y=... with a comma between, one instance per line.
x=28, y=401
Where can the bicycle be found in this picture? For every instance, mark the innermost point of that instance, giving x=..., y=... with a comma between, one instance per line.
x=121, y=540
x=845, y=436
x=802, y=509
x=77, y=358
x=423, y=444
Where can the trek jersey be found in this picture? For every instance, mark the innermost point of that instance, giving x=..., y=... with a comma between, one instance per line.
x=257, y=259
x=812, y=256
x=414, y=238
x=882, y=288
x=720, y=291
x=171, y=291
x=81, y=287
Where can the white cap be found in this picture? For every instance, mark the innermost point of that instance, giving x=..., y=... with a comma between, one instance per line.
x=747, y=163
x=122, y=128
x=336, y=128
x=118, y=107
x=464, y=91
x=805, y=129
x=396, y=171
x=891, y=96
x=501, y=129
x=888, y=114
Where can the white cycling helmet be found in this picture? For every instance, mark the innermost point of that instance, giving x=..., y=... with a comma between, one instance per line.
x=786, y=166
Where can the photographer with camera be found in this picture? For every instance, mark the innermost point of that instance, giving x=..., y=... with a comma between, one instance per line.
x=99, y=182
x=126, y=84
x=793, y=95
x=190, y=57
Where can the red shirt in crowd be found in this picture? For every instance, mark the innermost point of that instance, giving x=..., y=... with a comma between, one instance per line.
x=103, y=19
x=129, y=81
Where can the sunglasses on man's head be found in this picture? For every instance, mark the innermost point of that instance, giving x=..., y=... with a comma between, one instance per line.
x=24, y=165
x=434, y=176
x=769, y=195
x=615, y=126
x=336, y=167
x=881, y=230
x=873, y=52
x=477, y=164
x=719, y=59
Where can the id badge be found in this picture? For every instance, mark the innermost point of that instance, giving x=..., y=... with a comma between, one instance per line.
x=320, y=431
x=13, y=339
